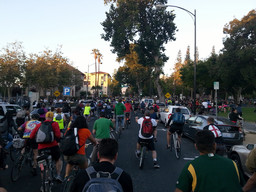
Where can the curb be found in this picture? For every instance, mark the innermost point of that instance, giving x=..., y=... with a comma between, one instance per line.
x=250, y=131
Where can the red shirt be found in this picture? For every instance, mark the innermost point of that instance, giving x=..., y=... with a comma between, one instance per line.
x=128, y=107
x=56, y=131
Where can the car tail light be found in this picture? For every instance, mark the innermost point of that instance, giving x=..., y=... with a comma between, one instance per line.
x=169, y=115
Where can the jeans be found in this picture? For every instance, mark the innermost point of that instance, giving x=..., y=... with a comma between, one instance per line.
x=117, y=122
x=9, y=138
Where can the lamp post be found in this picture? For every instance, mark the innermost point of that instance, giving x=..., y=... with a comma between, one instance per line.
x=194, y=16
x=87, y=80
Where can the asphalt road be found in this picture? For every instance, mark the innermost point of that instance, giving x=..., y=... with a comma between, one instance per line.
x=147, y=179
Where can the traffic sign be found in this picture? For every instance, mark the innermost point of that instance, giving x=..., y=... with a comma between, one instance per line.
x=216, y=85
x=66, y=91
x=56, y=93
x=167, y=95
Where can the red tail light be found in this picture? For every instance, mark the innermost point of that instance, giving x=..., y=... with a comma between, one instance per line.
x=169, y=115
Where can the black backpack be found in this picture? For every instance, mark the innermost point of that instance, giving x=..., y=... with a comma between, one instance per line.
x=70, y=143
x=45, y=133
x=41, y=111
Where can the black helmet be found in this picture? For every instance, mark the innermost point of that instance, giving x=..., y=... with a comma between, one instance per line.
x=35, y=116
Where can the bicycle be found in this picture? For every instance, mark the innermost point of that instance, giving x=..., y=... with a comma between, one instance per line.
x=47, y=168
x=127, y=120
x=69, y=180
x=21, y=159
x=119, y=123
x=143, y=150
x=113, y=135
x=175, y=143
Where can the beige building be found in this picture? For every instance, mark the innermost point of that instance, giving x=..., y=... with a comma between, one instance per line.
x=101, y=79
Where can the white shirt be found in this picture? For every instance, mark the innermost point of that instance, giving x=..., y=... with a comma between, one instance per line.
x=205, y=104
x=140, y=121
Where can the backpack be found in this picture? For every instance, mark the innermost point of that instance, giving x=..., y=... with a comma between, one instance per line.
x=103, y=181
x=41, y=111
x=178, y=118
x=45, y=133
x=58, y=117
x=70, y=143
x=155, y=108
x=147, y=128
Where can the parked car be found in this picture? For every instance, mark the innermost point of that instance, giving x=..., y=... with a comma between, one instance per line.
x=231, y=134
x=4, y=107
x=239, y=154
x=148, y=101
x=170, y=110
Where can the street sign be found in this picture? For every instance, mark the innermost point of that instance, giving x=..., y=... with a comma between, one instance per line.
x=66, y=91
x=167, y=95
x=216, y=85
x=56, y=93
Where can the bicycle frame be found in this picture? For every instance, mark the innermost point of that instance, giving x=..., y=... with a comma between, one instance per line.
x=176, y=144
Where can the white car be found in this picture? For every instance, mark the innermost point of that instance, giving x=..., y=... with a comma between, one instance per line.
x=171, y=109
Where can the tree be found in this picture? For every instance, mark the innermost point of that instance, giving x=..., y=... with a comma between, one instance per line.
x=237, y=62
x=12, y=60
x=137, y=22
x=176, y=74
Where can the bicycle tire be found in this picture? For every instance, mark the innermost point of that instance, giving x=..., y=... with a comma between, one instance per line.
x=14, y=153
x=45, y=182
x=142, y=153
x=172, y=143
x=16, y=170
x=177, y=150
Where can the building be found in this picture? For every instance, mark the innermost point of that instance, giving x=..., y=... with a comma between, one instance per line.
x=101, y=79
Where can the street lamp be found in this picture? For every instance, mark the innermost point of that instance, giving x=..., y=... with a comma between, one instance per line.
x=87, y=78
x=194, y=15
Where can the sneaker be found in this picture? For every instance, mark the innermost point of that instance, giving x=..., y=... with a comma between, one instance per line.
x=34, y=173
x=156, y=166
x=168, y=146
x=123, y=128
x=137, y=154
x=59, y=179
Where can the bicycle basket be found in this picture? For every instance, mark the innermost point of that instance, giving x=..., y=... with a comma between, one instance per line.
x=18, y=142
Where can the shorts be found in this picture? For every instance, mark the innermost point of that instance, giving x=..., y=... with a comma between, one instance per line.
x=31, y=143
x=54, y=152
x=176, y=128
x=76, y=159
x=150, y=143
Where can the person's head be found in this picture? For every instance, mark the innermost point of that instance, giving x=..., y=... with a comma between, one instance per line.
x=49, y=115
x=205, y=142
x=234, y=110
x=58, y=110
x=79, y=122
x=102, y=114
x=120, y=100
x=178, y=110
x=210, y=120
x=77, y=111
x=52, y=109
x=35, y=116
x=147, y=113
x=108, y=149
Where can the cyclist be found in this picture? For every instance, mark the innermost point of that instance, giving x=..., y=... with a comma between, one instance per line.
x=149, y=140
x=53, y=147
x=119, y=113
x=233, y=116
x=108, y=149
x=128, y=110
x=209, y=172
x=142, y=107
x=27, y=128
x=153, y=115
x=60, y=118
x=87, y=111
x=221, y=148
x=178, y=121
x=83, y=134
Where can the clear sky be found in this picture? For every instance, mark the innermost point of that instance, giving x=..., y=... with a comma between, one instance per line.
x=75, y=24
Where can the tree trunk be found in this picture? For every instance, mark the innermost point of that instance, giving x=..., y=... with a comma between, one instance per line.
x=157, y=84
x=9, y=93
x=139, y=88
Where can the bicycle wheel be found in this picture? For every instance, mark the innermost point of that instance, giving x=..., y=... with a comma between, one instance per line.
x=172, y=142
x=113, y=135
x=14, y=153
x=46, y=186
x=142, y=153
x=16, y=170
x=177, y=149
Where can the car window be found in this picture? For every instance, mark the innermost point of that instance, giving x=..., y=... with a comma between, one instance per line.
x=150, y=101
x=1, y=111
x=11, y=109
x=199, y=120
x=182, y=110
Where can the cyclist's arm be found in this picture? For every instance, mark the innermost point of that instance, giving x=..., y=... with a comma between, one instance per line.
x=92, y=139
x=169, y=121
x=250, y=183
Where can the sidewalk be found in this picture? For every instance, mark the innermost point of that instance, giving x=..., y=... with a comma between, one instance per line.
x=250, y=133
x=250, y=127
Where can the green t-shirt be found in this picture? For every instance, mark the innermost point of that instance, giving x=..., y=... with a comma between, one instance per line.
x=211, y=174
x=119, y=109
x=102, y=128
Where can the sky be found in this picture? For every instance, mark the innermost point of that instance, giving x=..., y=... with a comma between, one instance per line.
x=76, y=26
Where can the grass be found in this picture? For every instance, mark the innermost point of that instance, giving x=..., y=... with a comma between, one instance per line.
x=248, y=114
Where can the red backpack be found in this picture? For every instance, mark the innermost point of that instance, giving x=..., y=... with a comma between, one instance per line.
x=147, y=128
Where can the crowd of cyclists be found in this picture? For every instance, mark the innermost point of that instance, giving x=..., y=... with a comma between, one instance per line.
x=109, y=115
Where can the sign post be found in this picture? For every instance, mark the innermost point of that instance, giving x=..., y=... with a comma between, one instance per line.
x=216, y=87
